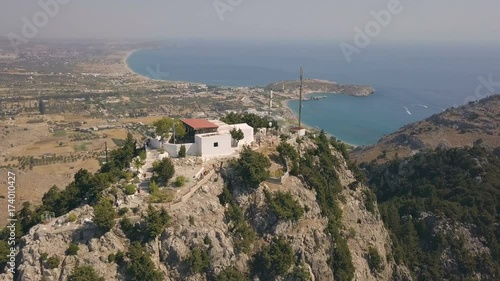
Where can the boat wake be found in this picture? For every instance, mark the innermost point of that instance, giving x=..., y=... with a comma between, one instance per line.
x=407, y=111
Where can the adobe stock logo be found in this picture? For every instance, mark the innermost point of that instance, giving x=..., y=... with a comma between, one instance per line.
x=40, y=19
x=486, y=87
x=372, y=29
x=223, y=6
x=157, y=74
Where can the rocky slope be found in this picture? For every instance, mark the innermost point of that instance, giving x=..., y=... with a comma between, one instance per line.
x=203, y=216
x=456, y=127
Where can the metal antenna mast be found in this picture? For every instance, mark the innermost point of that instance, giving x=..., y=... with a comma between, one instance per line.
x=300, y=100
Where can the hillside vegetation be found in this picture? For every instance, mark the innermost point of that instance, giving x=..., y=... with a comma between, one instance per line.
x=442, y=208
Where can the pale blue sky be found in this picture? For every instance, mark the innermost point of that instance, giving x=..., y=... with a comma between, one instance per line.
x=317, y=19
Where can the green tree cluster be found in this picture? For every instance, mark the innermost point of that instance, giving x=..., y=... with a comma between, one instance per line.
x=455, y=186
x=104, y=215
x=284, y=206
x=165, y=125
x=243, y=234
x=237, y=135
x=199, y=261
x=273, y=260
x=251, y=119
x=154, y=222
x=86, y=188
x=252, y=167
x=140, y=267
x=288, y=155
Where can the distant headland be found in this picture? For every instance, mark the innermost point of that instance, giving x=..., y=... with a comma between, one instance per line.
x=321, y=86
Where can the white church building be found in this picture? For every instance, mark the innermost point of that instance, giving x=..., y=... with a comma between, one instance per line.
x=207, y=139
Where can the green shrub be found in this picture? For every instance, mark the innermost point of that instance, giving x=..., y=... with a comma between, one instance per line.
x=288, y=152
x=85, y=273
x=71, y=217
x=72, y=250
x=53, y=262
x=180, y=181
x=370, y=199
x=182, y=151
x=157, y=195
x=111, y=258
x=122, y=211
x=231, y=274
x=374, y=260
x=130, y=189
x=225, y=196
x=299, y=273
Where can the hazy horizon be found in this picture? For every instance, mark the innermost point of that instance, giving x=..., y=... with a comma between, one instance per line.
x=446, y=20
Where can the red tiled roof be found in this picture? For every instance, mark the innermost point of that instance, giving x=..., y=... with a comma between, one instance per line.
x=198, y=124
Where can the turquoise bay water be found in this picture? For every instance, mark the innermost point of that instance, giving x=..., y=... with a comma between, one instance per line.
x=360, y=120
x=412, y=82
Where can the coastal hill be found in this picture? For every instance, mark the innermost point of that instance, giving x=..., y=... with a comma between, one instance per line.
x=474, y=123
x=320, y=225
x=437, y=184
x=321, y=86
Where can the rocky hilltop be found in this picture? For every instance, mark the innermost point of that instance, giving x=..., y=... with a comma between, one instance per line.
x=214, y=225
x=455, y=127
x=321, y=86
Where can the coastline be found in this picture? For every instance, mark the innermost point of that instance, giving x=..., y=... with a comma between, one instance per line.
x=131, y=71
x=125, y=60
x=284, y=103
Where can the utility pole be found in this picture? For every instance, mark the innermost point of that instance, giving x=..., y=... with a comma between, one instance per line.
x=106, y=149
x=174, y=132
x=270, y=103
x=300, y=100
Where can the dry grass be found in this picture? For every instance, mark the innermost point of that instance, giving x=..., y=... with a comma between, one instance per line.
x=31, y=185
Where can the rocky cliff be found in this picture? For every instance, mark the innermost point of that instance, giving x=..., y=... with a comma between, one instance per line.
x=203, y=218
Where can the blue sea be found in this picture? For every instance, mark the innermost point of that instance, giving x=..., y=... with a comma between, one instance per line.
x=412, y=80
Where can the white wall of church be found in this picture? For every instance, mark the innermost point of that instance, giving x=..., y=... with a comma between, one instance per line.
x=214, y=145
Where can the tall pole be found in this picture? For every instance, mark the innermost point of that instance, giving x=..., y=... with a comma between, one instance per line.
x=174, y=132
x=270, y=102
x=106, y=149
x=300, y=100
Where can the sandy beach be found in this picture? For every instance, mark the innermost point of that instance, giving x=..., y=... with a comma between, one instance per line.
x=125, y=63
